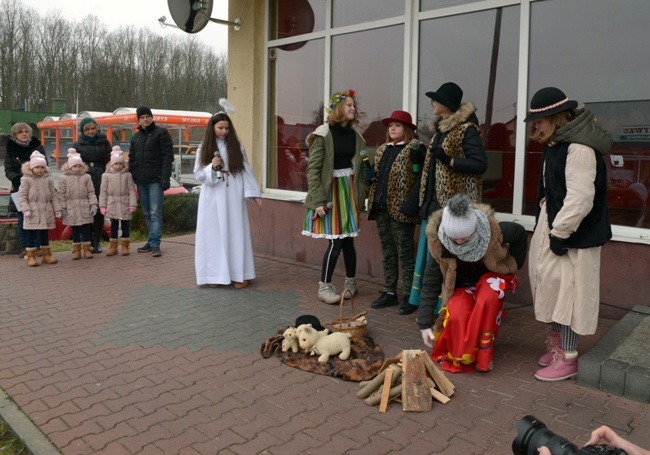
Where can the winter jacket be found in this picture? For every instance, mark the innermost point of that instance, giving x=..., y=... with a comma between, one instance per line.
x=460, y=138
x=15, y=156
x=95, y=155
x=38, y=195
x=506, y=253
x=151, y=155
x=76, y=196
x=117, y=193
x=400, y=182
x=321, y=168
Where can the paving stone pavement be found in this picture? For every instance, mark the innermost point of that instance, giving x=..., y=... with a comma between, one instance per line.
x=126, y=355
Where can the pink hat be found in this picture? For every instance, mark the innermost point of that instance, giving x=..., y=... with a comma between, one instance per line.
x=37, y=159
x=117, y=155
x=74, y=158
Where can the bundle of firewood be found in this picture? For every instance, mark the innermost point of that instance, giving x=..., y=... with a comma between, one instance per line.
x=411, y=377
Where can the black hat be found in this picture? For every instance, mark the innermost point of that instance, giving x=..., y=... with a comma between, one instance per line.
x=549, y=101
x=142, y=110
x=449, y=94
x=309, y=319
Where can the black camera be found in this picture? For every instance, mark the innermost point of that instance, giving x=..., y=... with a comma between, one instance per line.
x=533, y=434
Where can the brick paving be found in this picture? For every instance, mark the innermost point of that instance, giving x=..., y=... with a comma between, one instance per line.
x=126, y=355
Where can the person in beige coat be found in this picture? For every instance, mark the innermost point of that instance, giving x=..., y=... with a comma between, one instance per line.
x=572, y=225
x=117, y=199
x=38, y=202
x=78, y=202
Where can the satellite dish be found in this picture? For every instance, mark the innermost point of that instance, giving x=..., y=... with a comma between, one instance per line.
x=191, y=16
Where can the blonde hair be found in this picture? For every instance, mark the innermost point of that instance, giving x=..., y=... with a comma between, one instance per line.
x=18, y=127
x=557, y=120
x=337, y=115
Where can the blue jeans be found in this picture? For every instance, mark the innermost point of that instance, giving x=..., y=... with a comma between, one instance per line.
x=23, y=234
x=151, y=198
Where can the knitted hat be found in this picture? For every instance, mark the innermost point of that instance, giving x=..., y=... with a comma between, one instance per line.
x=459, y=217
x=117, y=155
x=85, y=121
x=143, y=110
x=37, y=159
x=74, y=158
x=449, y=94
x=548, y=101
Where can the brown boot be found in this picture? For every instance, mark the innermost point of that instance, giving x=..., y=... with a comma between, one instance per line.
x=76, y=251
x=47, y=256
x=125, y=247
x=112, y=249
x=87, y=253
x=30, y=253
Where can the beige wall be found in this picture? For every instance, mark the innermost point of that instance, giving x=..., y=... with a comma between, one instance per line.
x=246, y=78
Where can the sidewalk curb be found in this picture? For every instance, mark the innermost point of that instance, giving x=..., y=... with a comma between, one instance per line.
x=35, y=441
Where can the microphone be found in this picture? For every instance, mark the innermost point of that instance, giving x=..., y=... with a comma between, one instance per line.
x=327, y=209
x=415, y=145
x=366, y=161
x=218, y=169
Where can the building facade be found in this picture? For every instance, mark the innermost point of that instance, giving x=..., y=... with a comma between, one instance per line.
x=289, y=55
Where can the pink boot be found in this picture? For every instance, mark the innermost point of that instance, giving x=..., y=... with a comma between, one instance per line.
x=563, y=366
x=554, y=340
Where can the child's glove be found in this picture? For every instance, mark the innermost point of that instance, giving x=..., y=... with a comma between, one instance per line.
x=369, y=176
x=102, y=210
x=132, y=209
x=557, y=245
x=28, y=213
x=93, y=210
x=427, y=337
x=64, y=213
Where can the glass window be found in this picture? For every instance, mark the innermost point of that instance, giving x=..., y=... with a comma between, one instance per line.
x=483, y=62
x=296, y=80
x=426, y=5
x=295, y=17
x=601, y=65
x=349, y=12
x=371, y=63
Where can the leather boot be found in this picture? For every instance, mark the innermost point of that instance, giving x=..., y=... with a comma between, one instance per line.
x=327, y=293
x=553, y=341
x=30, y=253
x=47, y=256
x=125, y=247
x=76, y=251
x=87, y=253
x=112, y=249
x=350, y=285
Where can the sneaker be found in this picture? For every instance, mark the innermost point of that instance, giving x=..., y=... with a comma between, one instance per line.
x=146, y=248
x=552, y=342
x=155, y=251
x=385, y=300
x=406, y=307
x=560, y=368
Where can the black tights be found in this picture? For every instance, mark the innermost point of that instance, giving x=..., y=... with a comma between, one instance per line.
x=332, y=255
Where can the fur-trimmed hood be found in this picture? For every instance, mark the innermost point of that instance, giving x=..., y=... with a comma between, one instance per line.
x=465, y=113
x=67, y=171
x=109, y=167
x=28, y=172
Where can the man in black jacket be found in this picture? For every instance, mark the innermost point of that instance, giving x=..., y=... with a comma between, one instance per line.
x=150, y=163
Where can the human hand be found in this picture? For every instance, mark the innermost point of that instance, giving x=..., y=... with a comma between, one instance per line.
x=132, y=209
x=28, y=213
x=102, y=210
x=64, y=213
x=427, y=337
x=321, y=211
x=557, y=245
x=93, y=210
x=369, y=176
x=258, y=201
x=440, y=154
x=57, y=214
x=544, y=451
x=165, y=185
x=606, y=435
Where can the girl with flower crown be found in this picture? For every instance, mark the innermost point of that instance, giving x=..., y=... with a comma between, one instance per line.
x=336, y=191
x=224, y=249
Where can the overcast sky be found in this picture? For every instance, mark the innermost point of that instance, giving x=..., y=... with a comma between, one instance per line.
x=139, y=13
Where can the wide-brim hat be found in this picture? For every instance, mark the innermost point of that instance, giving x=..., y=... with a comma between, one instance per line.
x=309, y=319
x=402, y=117
x=449, y=94
x=548, y=101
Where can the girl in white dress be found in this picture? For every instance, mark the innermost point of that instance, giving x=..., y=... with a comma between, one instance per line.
x=224, y=250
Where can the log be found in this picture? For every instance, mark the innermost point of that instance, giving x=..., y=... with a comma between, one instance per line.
x=415, y=390
x=443, y=384
x=439, y=396
x=388, y=380
x=376, y=398
x=372, y=385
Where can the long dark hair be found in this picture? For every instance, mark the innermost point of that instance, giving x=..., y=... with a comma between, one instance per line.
x=233, y=146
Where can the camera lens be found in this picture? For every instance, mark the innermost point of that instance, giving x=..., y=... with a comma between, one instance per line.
x=532, y=434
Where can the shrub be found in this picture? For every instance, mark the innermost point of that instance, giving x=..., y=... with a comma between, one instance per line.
x=179, y=215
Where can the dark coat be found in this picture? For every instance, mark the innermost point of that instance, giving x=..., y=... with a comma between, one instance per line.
x=95, y=155
x=15, y=156
x=151, y=155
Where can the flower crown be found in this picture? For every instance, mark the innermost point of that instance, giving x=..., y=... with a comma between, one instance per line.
x=336, y=99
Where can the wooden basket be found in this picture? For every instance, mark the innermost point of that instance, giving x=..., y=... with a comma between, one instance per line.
x=356, y=325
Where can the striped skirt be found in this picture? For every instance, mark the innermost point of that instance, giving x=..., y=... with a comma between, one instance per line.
x=342, y=220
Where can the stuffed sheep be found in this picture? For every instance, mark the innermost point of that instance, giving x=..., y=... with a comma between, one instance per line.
x=324, y=345
x=290, y=340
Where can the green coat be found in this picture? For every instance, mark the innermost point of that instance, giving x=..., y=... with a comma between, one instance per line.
x=321, y=168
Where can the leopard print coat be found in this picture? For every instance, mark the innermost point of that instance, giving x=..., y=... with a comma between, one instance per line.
x=460, y=138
